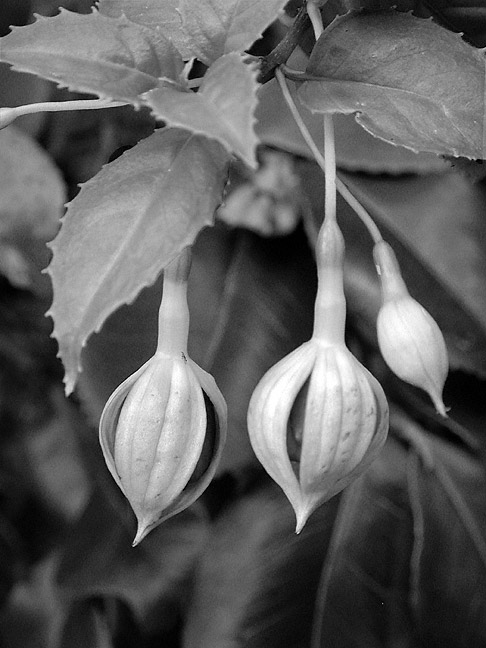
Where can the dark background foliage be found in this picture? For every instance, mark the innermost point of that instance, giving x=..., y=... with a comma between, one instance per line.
x=398, y=559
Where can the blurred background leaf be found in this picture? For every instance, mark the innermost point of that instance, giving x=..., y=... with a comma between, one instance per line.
x=256, y=581
x=408, y=548
x=33, y=195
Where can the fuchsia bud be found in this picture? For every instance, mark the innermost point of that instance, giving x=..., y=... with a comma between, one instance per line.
x=409, y=338
x=162, y=431
x=318, y=418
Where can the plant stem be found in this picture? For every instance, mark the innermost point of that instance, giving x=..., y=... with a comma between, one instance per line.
x=284, y=49
x=315, y=18
x=8, y=115
x=341, y=187
x=330, y=168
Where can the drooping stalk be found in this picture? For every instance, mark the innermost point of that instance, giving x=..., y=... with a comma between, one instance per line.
x=341, y=187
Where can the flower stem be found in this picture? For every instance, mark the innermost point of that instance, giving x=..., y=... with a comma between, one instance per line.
x=330, y=168
x=341, y=187
x=285, y=48
x=174, y=312
x=315, y=18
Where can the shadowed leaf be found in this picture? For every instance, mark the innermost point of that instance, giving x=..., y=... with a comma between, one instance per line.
x=257, y=580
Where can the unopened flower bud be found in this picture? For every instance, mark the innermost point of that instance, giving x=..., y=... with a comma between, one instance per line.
x=162, y=431
x=318, y=418
x=409, y=338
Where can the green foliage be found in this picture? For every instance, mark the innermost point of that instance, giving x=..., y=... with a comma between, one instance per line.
x=122, y=217
x=373, y=65
x=213, y=111
x=112, y=58
x=400, y=558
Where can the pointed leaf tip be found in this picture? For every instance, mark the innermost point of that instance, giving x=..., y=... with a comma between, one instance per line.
x=222, y=109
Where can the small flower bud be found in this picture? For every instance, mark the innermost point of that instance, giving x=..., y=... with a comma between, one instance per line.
x=318, y=418
x=162, y=431
x=409, y=338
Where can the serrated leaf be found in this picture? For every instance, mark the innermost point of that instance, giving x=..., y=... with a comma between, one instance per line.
x=124, y=226
x=216, y=27
x=152, y=14
x=223, y=109
x=409, y=81
x=108, y=57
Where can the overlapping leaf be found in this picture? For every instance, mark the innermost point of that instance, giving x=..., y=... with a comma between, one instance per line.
x=409, y=81
x=223, y=108
x=216, y=27
x=356, y=150
x=153, y=14
x=124, y=226
x=109, y=57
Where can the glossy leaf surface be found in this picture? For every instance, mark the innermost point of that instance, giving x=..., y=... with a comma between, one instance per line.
x=409, y=81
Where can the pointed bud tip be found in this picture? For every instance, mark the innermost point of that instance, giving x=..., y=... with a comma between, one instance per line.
x=143, y=530
x=302, y=515
x=439, y=405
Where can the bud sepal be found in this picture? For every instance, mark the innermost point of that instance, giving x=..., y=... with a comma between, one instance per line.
x=410, y=340
x=163, y=429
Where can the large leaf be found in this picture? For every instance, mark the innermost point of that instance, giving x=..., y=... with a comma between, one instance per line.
x=108, y=57
x=409, y=81
x=408, y=549
x=251, y=302
x=114, y=239
x=356, y=149
x=257, y=580
x=153, y=14
x=222, y=109
x=216, y=27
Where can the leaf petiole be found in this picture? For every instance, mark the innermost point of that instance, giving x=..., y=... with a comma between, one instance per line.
x=8, y=115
